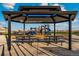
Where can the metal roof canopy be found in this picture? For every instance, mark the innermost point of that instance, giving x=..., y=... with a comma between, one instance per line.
x=41, y=8
x=39, y=17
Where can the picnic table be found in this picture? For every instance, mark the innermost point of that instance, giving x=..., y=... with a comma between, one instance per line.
x=40, y=38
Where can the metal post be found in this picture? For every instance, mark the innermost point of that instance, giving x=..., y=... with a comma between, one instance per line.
x=70, y=33
x=55, y=32
x=24, y=28
x=45, y=29
x=9, y=34
x=23, y=31
x=41, y=30
x=54, y=29
x=24, y=25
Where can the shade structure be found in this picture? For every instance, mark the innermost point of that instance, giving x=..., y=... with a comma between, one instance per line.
x=39, y=8
x=41, y=14
x=39, y=17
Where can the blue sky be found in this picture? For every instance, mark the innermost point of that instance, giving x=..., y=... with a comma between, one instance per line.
x=60, y=26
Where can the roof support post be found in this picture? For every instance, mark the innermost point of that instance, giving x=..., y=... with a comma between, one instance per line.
x=55, y=32
x=54, y=28
x=9, y=34
x=70, y=33
x=24, y=26
x=24, y=29
x=41, y=30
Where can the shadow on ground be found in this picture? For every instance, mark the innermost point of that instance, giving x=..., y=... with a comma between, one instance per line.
x=60, y=51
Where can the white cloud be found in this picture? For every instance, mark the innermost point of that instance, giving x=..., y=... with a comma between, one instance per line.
x=62, y=7
x=76, y=20
x=64, y=26
x=9, y=5
x=3, y=23
x=60, y=26
x=75, y=24
x=44, y=4
x=56, y=4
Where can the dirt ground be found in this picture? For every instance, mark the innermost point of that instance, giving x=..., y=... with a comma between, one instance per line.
x=39, y=49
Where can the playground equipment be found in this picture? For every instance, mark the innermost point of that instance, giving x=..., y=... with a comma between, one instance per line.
x=45, y=29
x=32, y=31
